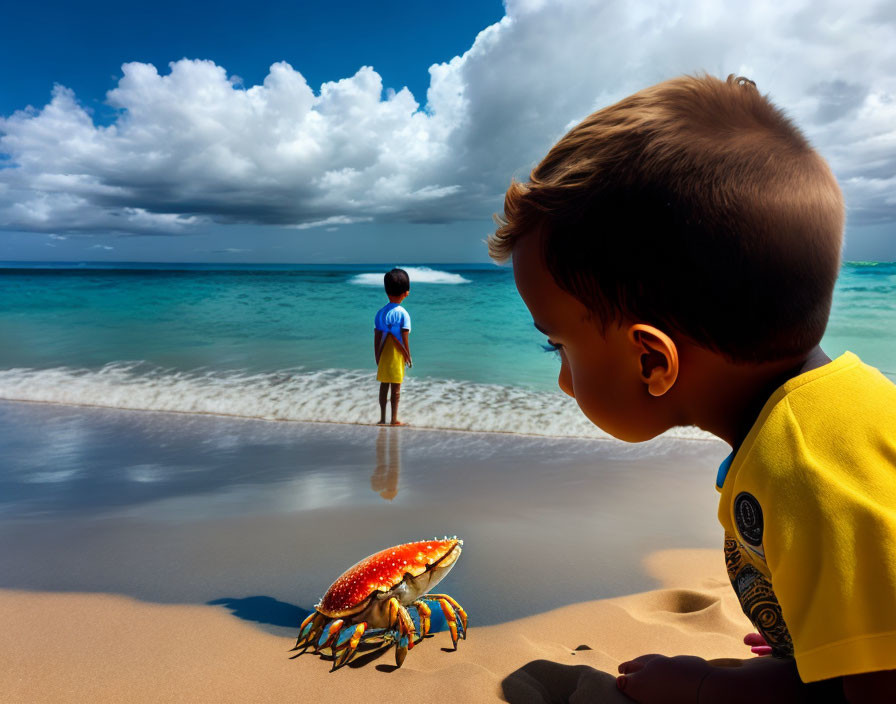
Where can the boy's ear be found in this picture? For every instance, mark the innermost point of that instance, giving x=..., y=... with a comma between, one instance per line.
x=658, y=356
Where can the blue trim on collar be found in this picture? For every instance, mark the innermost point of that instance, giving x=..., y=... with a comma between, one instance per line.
x=723, y=470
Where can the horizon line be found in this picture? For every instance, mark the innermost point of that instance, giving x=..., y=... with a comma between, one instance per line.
x=19, y=263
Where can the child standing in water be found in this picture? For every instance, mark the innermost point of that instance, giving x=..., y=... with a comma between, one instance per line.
x=392, y=326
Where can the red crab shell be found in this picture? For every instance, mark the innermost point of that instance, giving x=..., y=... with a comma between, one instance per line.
x=381, y=572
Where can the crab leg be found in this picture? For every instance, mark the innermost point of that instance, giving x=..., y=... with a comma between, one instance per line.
x=451, y=620
x=424, y=612
x=452, y=611
x=328, y=637
x=309, y=629
x=457, y=607
x=346, y=643
x=401, y=620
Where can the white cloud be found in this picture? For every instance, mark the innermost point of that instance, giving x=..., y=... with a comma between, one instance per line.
x=193, y=146
x=332, y=220
x=101, y=246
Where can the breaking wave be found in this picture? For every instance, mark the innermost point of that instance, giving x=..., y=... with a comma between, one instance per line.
x=330, y=395
x=417, y=274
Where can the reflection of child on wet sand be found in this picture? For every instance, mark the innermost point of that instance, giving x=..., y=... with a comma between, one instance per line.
x=392, y=326
x=384, y=479
x=680, y=249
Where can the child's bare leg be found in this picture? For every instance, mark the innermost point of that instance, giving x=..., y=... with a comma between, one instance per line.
x=396, y=397
x=384, y=393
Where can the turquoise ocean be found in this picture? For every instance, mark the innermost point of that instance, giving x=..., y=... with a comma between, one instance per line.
x=294, y=342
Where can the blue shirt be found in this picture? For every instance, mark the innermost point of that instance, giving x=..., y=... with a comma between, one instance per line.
x=392, y=318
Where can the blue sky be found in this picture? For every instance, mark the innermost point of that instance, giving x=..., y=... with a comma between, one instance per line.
x=297, y=132
x=82, y=45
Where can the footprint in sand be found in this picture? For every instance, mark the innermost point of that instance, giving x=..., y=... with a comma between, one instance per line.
x=683, y=601
x=684, y=608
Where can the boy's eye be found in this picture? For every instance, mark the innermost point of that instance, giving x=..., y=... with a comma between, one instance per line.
x=552, y=347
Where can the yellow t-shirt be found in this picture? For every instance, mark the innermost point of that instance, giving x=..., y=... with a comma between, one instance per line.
x=809, y=510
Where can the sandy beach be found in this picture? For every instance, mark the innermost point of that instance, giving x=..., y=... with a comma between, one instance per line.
x=104, y=648
x=170, y=557
x=552, y=223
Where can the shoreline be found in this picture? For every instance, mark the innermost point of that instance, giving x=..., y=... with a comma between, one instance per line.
x=669, y=436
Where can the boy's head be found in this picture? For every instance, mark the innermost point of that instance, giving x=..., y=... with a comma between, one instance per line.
x=696, y=206
x=691, y=212
x=397, y=283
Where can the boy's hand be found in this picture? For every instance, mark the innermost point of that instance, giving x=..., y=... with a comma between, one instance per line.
x=688, y=679
x=406, y=346
x=657, y=678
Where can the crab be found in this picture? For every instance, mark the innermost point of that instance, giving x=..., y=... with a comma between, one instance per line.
x=373, y=600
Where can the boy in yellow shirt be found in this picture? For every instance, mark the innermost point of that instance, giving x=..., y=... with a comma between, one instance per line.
x=680, y=249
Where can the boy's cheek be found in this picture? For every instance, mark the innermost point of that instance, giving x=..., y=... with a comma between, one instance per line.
x=599, y=402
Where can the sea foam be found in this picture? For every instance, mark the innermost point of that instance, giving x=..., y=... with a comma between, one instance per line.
x=329, y=395
x=417, y=274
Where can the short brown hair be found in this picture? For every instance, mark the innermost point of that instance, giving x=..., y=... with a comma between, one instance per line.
x=396, y=282
x=694, y=205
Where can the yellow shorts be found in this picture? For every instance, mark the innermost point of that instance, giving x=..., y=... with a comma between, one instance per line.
x=390, y=370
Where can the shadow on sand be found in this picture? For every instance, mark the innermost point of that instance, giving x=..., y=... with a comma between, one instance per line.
x=265, y=610
x=545, y=682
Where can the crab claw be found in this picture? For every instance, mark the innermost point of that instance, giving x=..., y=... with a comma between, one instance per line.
x=346, y=644
x=309, y=629
x=328, y=637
